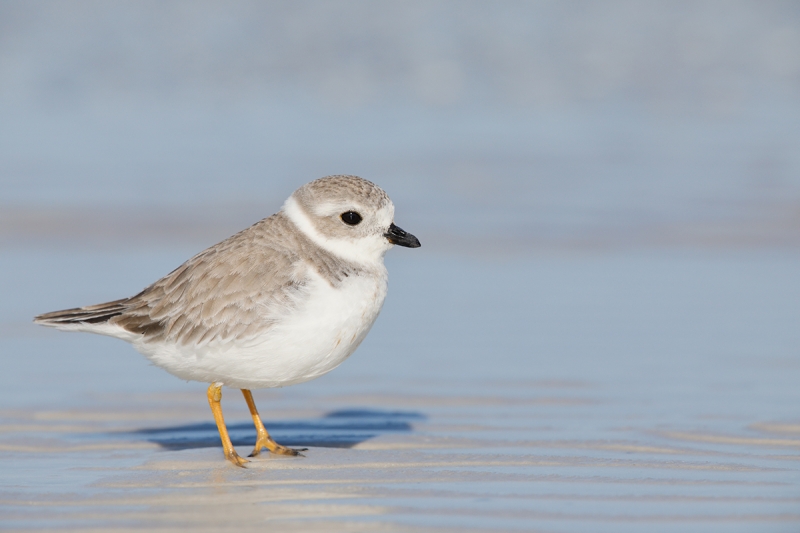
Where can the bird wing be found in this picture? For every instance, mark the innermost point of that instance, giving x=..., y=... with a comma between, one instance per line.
x=235, y=289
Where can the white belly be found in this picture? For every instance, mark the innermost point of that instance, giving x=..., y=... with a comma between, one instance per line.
x=308, y=342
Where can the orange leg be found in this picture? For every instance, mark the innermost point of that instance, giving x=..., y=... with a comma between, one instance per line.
x=214, y=397
x=263, y=440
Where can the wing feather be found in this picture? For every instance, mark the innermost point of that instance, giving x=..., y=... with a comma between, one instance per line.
x=236, y=289
x=228, y=291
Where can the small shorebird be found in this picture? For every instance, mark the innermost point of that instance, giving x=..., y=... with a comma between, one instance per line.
x=282, y=302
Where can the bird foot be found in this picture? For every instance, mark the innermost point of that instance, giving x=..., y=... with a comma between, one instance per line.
x=236, y=459
x=274, y=447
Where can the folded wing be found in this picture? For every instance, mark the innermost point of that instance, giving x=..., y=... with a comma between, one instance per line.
x=234, y=290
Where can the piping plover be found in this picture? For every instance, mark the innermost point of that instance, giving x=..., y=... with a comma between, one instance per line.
x=282, y=302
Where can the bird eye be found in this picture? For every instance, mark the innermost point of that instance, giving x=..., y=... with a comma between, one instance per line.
x=351, y=218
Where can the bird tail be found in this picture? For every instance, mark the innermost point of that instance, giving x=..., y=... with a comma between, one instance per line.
x=81, y=316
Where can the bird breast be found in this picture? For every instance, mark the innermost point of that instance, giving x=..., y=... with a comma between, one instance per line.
x=322, y=329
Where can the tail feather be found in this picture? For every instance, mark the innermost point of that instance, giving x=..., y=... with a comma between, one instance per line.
x=92, y=314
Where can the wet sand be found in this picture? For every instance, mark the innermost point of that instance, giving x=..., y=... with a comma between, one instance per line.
x=616, y=391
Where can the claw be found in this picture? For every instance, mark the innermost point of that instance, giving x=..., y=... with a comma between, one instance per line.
x=274, y=447
x=263, y=440
x=236, y=459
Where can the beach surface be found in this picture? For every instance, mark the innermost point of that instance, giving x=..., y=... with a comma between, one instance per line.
x=603, y=391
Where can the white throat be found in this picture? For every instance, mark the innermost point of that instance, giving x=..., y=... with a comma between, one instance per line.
x=367, y=250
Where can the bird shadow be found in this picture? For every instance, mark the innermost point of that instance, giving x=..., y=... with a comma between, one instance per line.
x=343, y=428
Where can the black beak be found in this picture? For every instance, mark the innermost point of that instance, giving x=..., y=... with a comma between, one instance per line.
x=399, y=237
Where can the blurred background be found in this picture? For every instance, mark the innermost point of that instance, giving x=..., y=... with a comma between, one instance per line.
x=607, y=196
x=512, y=124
